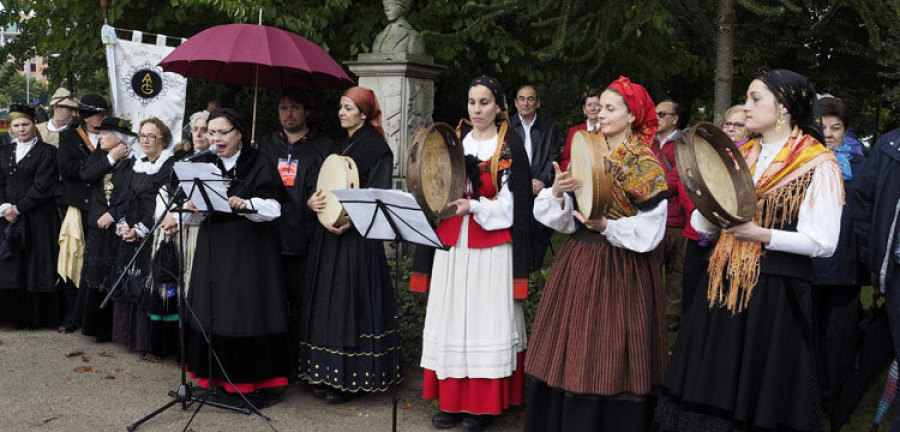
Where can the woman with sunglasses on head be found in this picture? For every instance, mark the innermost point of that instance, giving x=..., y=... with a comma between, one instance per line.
x=598, y=343
x=474, y=340
x=29, y=226
x=236, y=277
x=348, y=341
x=745, y=355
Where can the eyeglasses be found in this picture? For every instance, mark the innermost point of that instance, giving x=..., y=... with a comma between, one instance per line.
x=663, y=114
x=150, y=137
x=733, y=124
x=199, y=129
x=219, y=134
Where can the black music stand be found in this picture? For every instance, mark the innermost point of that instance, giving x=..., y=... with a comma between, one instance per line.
x=184, y=394
x=395, y=216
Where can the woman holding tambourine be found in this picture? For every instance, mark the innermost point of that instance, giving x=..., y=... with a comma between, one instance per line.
x=599, y=338
x=348, y=342
x=745, y=357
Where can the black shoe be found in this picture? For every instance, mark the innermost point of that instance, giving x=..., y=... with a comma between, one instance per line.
x=446, y=420
x=102, y=339
x=337, y=397
x=320, y=391
x=476, y=423
x=66, y=328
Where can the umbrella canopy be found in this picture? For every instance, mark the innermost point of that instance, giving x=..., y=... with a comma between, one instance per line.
x=887, y=397
x=234, y=53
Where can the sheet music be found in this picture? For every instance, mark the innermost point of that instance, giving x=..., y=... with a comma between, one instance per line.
x=413, y=226
x=211, y=176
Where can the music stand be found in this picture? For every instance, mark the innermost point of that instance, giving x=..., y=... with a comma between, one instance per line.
x=395, y=216
x=211, y=201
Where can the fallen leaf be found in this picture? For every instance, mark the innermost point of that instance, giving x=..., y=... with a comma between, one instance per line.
x=134, y=375
x=97, y=371
x=50, y=419
x=83, y=369
x=352, y=408
x=110, y=376
x=103, y=353
x=152, y=358
x=407, y=405
x=74, y=352
x=119, y=369
x=85, y=358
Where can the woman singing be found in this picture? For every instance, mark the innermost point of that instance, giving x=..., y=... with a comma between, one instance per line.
x=745, y=357
x=599, y=337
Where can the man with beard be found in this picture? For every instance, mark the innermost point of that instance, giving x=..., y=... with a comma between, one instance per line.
x=75, y=145
x=298, y=149
x=64, y=106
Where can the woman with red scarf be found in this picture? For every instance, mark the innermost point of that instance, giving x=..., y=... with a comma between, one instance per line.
x=599, y=337
x=745, y=357
x=473, y=344
x=348, y=341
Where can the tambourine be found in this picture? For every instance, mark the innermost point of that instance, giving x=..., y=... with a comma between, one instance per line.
x=590, y=153
x=337, y=172
x=715, y=175
x=436, y=169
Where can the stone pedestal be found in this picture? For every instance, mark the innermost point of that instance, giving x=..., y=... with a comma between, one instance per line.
x=404, y=86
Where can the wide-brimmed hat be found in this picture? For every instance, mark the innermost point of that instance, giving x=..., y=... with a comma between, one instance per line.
x=64, y=98
x=92, y=104
x=118, y=125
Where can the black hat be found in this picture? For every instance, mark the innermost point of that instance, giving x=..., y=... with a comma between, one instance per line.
x=116, y=124
x=92, y=104
x=23, y=109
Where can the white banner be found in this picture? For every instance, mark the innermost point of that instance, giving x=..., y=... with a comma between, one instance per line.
x=139, y=89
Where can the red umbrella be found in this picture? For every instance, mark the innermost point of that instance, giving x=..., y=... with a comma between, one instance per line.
x=256, y=55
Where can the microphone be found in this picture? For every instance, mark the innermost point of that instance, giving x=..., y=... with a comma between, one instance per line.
x=213, y=149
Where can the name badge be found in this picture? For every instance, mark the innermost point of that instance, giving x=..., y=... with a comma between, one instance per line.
x=287, y=168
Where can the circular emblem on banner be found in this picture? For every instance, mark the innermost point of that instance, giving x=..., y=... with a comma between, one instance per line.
x=146, y=83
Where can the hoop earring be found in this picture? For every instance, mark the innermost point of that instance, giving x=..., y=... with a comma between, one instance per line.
x=779, y=124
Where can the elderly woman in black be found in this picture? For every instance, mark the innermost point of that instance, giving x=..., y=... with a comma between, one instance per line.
x=29, y=226
x=237, y=276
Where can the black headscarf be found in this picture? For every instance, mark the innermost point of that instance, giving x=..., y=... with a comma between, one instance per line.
x=233, y=117
x=798, y=96
x=496, y=89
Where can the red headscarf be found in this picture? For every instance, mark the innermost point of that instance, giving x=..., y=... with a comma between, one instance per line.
x=642, y=107
x=367, y=102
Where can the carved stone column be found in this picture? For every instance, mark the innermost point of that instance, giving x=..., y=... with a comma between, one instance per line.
x=404, y=85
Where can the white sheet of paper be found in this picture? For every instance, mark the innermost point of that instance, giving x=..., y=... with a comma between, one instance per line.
x=406, y=213
x=212, y=178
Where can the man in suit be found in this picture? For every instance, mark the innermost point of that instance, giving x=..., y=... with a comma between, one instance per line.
x=542, y=146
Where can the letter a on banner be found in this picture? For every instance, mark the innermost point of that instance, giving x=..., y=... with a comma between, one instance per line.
x=140, y=89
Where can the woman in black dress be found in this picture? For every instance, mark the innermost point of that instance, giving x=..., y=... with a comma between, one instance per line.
x=102, y=245
x=348, y=340
x=29, y=226
x=237, y=276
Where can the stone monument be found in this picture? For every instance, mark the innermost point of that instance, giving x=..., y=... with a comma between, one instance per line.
x=402, y=77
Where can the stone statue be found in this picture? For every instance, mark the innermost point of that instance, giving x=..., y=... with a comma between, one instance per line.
x=399, y=36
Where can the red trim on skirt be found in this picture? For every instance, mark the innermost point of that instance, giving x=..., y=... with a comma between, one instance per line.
x=476, y=395
x=240, y=387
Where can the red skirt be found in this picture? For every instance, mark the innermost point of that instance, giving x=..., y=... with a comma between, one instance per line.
x=476, y=395
x=239, y=387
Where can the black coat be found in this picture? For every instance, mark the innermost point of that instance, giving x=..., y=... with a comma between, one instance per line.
x=842, y=268
x=875, y=204
x=297, y=221
x=73, y=153
x=29, y=185
x=545, y=146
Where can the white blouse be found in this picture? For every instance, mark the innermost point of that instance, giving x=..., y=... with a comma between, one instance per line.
x=819, y=218
x=639, y=233
x=491, y=214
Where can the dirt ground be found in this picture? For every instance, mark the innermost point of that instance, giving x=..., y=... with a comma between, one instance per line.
x=106, y=388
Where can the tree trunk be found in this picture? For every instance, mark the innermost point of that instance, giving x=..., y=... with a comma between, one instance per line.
x=724, y=59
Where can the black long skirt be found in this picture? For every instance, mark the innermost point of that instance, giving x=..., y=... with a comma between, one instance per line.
x=237, y=280
x=131, y=324
x=755, y=370
x=559, y=411
x=348, y=338
x=97, y=276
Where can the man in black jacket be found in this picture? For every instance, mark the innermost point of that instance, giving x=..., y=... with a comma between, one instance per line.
x=298, y=149
x=75, y=145
x=542, y=146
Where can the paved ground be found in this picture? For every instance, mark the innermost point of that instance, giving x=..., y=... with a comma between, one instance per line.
x=40, y=389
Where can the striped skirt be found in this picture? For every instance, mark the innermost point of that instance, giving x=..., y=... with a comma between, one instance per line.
x=600, y=325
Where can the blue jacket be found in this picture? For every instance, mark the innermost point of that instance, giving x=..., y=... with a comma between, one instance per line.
x=876, y=205
x=842, y=268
